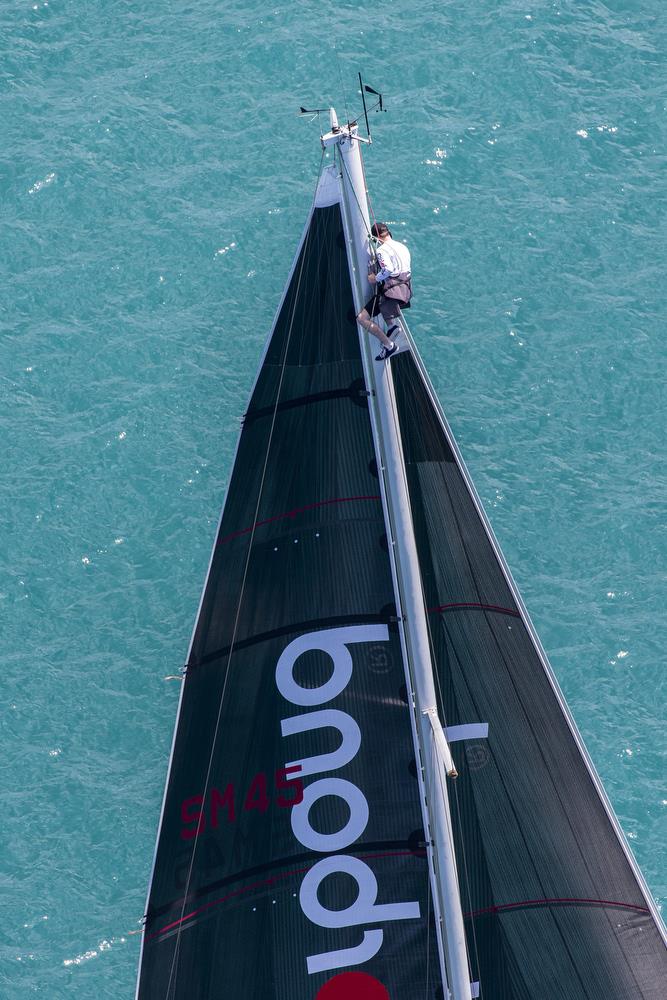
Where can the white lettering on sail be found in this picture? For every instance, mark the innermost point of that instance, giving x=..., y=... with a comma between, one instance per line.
x=364, y=910
x=334, y=642
x=353, y=829
x=370, y=946
x=347, y=751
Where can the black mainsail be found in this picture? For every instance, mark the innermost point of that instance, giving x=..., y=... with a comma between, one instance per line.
x=300, y=557
x=292, y=862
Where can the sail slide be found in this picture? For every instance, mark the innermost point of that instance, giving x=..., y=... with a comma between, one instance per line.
x=554, y=905
x=290, y=861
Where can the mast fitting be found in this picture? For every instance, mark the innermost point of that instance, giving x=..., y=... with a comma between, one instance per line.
x=441, y=745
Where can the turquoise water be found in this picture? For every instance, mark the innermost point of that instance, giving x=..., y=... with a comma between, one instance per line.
x=154, y=180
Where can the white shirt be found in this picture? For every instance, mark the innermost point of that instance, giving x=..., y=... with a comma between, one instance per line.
x=393, y=258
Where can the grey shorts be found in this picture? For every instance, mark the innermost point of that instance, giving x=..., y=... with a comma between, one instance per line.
x=390, y=308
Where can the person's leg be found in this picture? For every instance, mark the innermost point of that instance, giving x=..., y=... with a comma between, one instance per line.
x=391, y=312
x=368, y=324
x=367, y=316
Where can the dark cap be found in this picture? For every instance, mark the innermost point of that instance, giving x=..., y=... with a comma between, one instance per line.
x=380, y=229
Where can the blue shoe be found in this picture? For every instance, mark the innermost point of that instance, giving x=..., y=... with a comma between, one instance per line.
x=387, y=352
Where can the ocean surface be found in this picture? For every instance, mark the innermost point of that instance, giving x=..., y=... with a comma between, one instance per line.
x=154, y=181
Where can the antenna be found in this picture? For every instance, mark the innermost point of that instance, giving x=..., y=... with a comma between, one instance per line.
x=363, y=98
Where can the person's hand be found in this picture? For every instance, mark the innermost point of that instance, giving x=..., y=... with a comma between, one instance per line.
x=372, y=278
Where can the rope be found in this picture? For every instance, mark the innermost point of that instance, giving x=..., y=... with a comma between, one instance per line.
x=342, y=85
x=174, y=962
x=371, y=247
x=368, y=195
x=361, y=212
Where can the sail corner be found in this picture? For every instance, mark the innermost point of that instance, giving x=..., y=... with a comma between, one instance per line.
x=328, y=189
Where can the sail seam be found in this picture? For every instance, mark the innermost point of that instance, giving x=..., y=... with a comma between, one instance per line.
x=333, y=621
x=474, y=606
x=266, y=884
x=388, y=848
x=294, y=513
x=355, y=394
x=564, y=901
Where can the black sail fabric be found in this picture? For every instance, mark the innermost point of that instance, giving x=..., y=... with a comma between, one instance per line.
x=553, y=908
x=291, y=800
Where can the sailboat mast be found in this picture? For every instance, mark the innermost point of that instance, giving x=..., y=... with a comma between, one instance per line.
x=435, y=755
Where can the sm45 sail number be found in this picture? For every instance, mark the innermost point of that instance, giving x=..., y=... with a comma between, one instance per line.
x=223, y=805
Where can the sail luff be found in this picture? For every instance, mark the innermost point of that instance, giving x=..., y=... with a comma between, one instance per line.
x=410, y=594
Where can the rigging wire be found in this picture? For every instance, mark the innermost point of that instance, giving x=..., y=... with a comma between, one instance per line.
x=368, y=194
x=342, y=85
x=371, y=245
x=361, y=213
x=175, y=957
x=368, y=197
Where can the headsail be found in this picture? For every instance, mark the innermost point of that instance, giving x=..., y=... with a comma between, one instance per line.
x=553, y=903
x=292, y=786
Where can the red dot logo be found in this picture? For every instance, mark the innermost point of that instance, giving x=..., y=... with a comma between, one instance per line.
x=353, y=986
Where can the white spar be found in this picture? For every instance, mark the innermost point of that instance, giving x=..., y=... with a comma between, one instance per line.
x=433, y=744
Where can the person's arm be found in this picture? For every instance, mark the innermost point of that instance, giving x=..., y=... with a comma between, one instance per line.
x=384, y=263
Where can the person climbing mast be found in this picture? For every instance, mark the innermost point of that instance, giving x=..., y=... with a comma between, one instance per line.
x=389, y=272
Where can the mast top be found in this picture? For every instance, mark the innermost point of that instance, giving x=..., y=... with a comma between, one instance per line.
x=350, y=131
x=338, y=132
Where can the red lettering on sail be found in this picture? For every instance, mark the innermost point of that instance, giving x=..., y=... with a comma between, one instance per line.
x=225, y=801
x=187, y=816
x=220, y=807
x=257, y=797
x=295, y=786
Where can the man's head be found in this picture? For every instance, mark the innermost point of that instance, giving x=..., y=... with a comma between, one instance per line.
x=380, y=231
